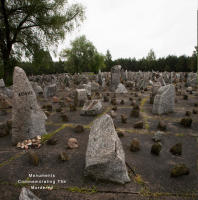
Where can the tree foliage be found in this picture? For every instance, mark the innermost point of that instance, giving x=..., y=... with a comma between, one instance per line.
x=29, y=25
x=83, y=56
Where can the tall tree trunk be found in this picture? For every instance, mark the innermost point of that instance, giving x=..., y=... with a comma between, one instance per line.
x=8, y=70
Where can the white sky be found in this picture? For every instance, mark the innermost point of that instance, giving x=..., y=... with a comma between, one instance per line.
x=130, y=28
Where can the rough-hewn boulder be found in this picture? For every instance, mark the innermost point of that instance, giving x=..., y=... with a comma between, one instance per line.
x=105, y=158
x=27, y=195
x=164, y=101
x=92, y=108
x=28, y=120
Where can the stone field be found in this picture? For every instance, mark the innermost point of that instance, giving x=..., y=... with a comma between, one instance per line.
x=114, y=135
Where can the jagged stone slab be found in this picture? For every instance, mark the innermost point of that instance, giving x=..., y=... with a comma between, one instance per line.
x=28, y=120
x=164, y=101
x=105, y=157
x=121, y=89
x=27, y=195
x=92, y=108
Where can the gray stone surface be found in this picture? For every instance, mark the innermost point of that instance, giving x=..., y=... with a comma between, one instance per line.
x=37, y=89
x=2, y=84
x=121, y=89
x=92, y=108
x=26, y=194
x=28, y=120
x=164, y=101
x=115, y=76
x=50, y=90
x=80, y=97
x=105, y=158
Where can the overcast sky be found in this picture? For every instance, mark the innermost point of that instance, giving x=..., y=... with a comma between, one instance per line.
x=130, y=28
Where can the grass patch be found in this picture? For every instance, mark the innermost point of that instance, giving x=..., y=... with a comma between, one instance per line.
x=76, y=189
x=46, y=137
x=179, y=134
x=138, y=179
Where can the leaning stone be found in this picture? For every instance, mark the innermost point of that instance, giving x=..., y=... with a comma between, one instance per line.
x=28, y=120
x=135, y=145
x=156, y=148
x=179, y=170
x=26, y=194
x=176, y=149
x=105, y=158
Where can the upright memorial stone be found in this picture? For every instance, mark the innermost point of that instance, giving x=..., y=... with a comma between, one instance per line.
x=105, y=158
x=164, y=101
x=115, y=76
x=28, y=120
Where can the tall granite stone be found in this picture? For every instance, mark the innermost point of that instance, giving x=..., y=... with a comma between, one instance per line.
x=164, y=101
x=28, y=120
x=115, y=76
x=105, y=158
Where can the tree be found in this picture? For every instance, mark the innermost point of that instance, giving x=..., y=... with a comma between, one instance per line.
x=27, y=25
x=151, y=55
x=83, y=56
x=108, y=60
x=42, y=62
